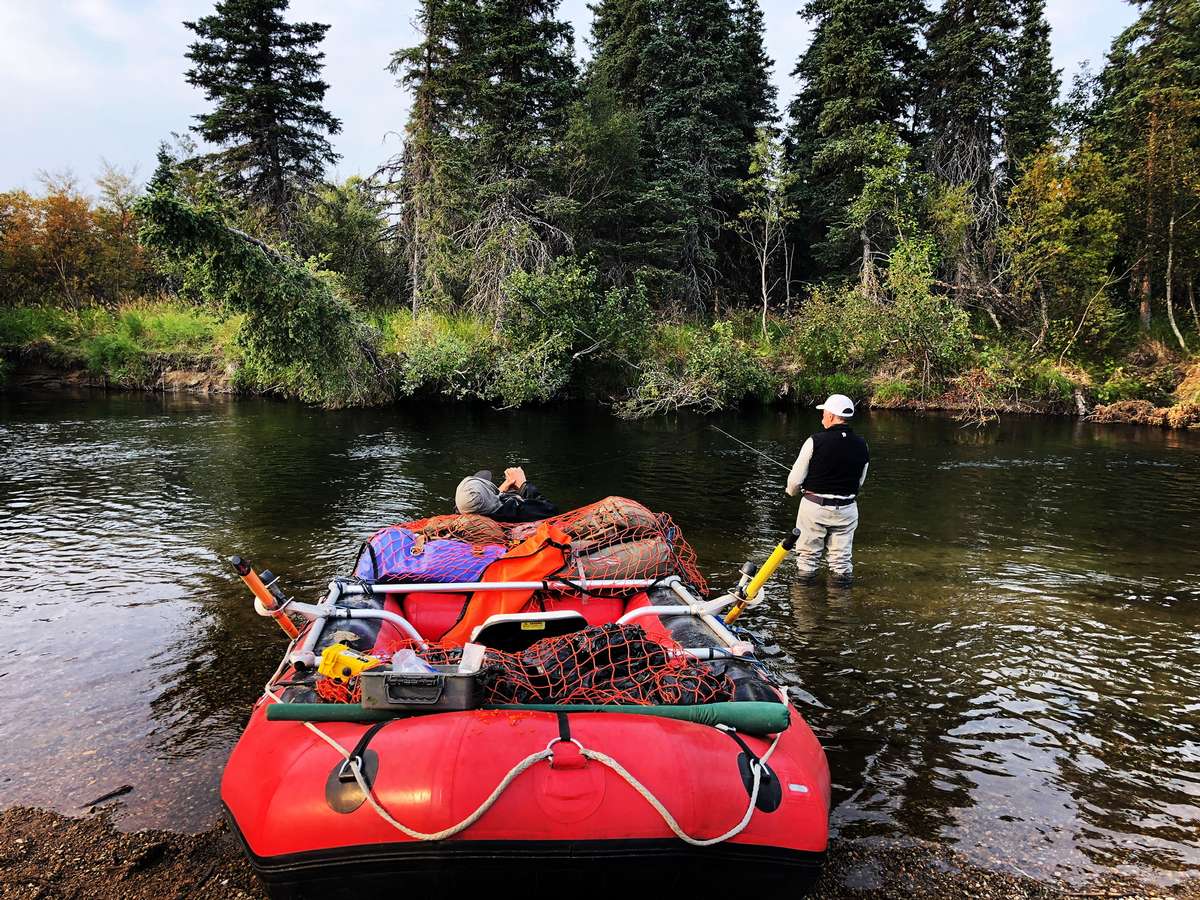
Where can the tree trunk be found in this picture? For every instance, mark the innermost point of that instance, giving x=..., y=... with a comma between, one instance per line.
x=1045, y=313
x=414, y=273
x=764, y=258
x=1192, y=301
x=1144, y=296
x=787, y=280
x=1170, y=278
x=1144, y=299
x=867, y=275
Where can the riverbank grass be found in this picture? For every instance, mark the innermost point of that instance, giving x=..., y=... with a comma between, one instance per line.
x=127, y=345
x=670, y=366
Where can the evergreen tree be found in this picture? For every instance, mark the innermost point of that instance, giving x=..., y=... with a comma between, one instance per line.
x=263, y=75
x=438, y=74
x=696, y=77
x=1034, y=84
x=492, y=82
x=1147, y=121
x=752, y=67
x=625, y=221
x=970, y=43
x=859, y=79
x=527, y=81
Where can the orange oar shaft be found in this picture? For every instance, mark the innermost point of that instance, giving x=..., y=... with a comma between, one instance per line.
x=264, y=595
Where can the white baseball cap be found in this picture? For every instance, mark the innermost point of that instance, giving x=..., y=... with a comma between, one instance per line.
x=838, y=404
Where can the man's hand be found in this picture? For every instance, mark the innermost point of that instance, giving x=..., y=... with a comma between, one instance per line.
x=513, y=477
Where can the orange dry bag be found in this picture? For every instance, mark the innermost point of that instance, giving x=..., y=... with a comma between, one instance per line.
x=538, y=557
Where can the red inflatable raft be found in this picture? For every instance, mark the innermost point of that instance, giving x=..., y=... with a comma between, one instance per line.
x=615, y=728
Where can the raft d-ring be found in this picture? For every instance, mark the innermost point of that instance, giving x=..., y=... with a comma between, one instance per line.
x=577, y=761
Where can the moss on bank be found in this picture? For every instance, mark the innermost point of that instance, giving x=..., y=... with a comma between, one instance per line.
x=708, y=367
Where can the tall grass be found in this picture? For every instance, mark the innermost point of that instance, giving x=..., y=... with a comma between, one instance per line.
x=125, y=344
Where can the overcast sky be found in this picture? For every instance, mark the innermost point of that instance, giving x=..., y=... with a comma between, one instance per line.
x=82, y=80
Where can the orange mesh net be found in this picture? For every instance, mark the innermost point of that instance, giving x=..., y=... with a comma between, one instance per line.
x=615, y=538
x=603, y=665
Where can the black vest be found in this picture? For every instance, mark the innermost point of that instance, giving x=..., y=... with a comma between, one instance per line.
x=838, y=458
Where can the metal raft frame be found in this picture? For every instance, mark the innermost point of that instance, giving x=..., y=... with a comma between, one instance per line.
x=320, y=613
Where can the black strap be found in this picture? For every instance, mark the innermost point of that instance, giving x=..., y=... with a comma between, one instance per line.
x=344, y=774
x=564, y=727
x=370, y=549
x=737, y=737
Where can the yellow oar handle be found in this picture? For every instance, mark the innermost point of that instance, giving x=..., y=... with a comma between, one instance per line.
x=778, y=555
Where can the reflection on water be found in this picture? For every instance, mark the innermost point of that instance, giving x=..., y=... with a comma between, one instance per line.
x=1015, y=674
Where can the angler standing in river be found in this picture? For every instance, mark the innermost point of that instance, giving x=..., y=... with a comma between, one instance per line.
x=829, y=472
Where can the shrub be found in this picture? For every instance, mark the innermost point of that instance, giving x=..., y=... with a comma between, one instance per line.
x=437, y=354
x=847, y=330
x=717, y=371
x=117, y=356
x=1013, y=376
x=1154, y=385
x=893, y=391
x=569, y=306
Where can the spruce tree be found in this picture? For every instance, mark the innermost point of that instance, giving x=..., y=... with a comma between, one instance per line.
x=621, y=31
x=1034, y=83
x=625, y=220
x=970, y=44
x=263, y=76
x=859, y=81
x=696, y=76
x=1147, y=123
x=438, y=75
x=492, y=83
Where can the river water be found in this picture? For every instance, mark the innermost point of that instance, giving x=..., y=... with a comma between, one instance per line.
x=1016, y=673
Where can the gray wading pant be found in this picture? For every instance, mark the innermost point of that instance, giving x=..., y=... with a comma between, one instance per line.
x=826, y=528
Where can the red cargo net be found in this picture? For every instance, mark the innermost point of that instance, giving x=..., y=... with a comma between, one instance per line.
x=615, y=538
x=603, y=664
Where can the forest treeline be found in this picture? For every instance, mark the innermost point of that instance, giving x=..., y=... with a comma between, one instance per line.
x=925, y=221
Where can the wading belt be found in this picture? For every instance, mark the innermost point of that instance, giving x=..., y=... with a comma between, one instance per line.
x=829, y=501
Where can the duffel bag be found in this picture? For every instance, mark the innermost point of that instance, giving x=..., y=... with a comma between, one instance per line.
x=396, y=555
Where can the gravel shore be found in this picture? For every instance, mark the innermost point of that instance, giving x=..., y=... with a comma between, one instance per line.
x=45, y=855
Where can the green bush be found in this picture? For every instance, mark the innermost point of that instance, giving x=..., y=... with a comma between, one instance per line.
x=717, y=371
x=575, y=319
x=890, y=391
x=852, y=329
x=437, y=354
x=22, y=326
x=1155, y=385
x=116, y=356
x=1012, y=375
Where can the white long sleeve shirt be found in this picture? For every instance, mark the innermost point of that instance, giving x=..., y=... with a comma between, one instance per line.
x=800, y=472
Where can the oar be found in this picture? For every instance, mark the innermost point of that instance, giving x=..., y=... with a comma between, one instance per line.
x=747, y=592
x=265, y=596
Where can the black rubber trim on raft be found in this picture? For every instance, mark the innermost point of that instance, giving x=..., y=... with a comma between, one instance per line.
x=464, y=860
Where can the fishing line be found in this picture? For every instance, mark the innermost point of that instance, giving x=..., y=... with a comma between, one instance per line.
x=748, y=447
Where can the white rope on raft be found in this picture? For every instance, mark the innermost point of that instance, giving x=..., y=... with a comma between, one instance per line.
x=529, y=761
